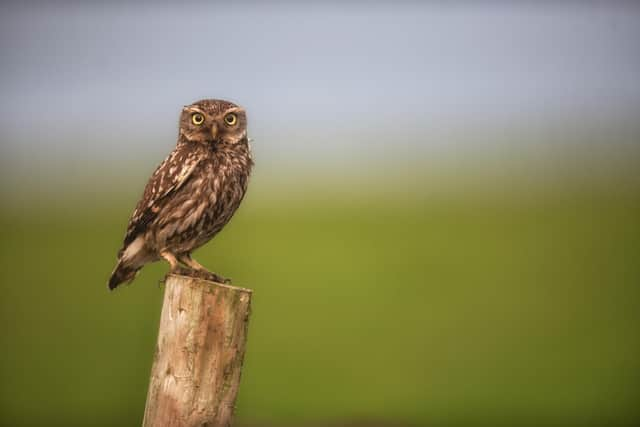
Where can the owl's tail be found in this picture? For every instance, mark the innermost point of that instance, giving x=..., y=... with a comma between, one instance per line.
x=122, y=273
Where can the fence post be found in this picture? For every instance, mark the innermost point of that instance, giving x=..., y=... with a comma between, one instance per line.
x=199, y=354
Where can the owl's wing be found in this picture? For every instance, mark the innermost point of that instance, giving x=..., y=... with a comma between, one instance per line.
x=172, y=173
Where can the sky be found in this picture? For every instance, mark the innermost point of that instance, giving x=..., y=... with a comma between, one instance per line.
x=104, y=82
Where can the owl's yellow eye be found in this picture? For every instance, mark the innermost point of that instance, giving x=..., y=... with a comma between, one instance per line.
x=230, y=119
x=197, y=119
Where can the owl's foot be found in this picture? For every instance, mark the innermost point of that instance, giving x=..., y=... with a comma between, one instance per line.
x=198, y=270
x=183, y=271
x=208, y=275
x=198, y=274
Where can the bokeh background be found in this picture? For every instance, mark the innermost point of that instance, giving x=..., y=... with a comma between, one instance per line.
x=443, y=226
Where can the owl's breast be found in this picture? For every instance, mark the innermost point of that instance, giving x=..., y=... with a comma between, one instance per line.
x=203, y=206
x=223, y=188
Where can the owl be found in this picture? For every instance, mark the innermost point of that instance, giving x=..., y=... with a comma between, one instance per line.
x=192, y=195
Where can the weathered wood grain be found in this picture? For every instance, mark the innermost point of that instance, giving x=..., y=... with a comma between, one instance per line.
x=199, y=354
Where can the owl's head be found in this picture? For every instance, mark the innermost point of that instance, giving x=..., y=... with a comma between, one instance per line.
x=213, y=121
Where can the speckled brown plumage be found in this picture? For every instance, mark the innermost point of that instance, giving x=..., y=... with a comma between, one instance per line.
x=192, y=194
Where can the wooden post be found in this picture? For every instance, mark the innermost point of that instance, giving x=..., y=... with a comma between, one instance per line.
x=198, y=359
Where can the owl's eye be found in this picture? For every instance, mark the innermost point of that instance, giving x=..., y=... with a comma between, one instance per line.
x=197, y=119
x=230, y=119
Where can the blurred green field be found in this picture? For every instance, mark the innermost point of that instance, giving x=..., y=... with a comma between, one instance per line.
x=455, y=309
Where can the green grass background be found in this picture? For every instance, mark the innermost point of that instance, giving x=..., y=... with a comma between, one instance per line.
x=404, y=307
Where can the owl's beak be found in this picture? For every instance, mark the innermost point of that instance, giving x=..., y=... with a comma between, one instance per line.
x=214, y=131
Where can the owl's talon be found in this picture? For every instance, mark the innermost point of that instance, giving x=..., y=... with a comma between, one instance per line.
x=181, y=271
x=200, y=274
x=213, y=277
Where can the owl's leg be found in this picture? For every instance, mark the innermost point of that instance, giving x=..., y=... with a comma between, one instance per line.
x=201, y=270
x=173, y=262
x=187, y=260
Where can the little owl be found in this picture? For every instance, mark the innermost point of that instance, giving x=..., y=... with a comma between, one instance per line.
x=193, y=193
